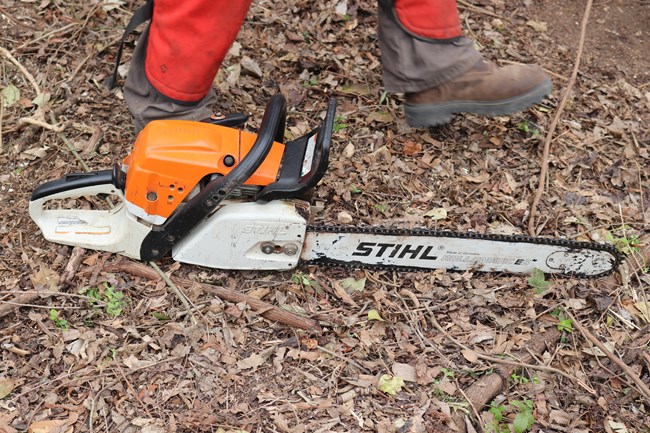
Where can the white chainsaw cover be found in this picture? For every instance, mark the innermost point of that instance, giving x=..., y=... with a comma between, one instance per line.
x=246, y=236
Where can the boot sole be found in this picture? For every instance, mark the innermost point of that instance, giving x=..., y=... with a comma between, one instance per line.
x=426, y=115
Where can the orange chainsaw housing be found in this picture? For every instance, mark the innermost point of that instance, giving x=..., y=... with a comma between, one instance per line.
x=170, y=157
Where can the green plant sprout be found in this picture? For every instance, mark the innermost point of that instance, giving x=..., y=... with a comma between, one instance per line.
x=113, y=300
x=523, y=417
x=58, y=320
x=339, y=123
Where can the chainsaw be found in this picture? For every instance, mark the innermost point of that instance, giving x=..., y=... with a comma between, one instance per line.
x=211, y=194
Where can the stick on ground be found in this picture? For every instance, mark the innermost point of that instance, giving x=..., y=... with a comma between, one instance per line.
x=269, y=311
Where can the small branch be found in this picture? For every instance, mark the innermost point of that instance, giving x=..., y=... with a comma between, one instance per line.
x=7, y=307
x=22, y=69
x=549, y=136
x=643, y=388
x=348, y=360
x=41, y=123
x=2, y=114
x=178, y=292
x=73, y=265
x=270, y=312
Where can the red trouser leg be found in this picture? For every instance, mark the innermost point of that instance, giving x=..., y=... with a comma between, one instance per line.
x=188, y=40
x=432, y=19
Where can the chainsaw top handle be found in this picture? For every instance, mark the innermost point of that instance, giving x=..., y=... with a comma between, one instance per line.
x=163, y=237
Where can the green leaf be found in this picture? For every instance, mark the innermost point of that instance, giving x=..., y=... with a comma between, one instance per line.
x=374, y=315
x=391, y=385
x=523, y=421
x=160, y=316
x=10, y=95
x=537, y=281
x=497, y=412
x=565, y=325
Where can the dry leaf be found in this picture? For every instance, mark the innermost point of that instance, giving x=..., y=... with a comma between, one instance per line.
x=470, y=355
x=45, y=280
x=251, y=67
x=6, y=386
x=380, y=116
x=255, y=360
x=356, y=89
x=342, y=294
x=483, y=177
x=34, y=153
x=344, y=217
x=405, y=371
x=539, y=27
x=438, y=213
x=412, y=148
x=260, y=292
x=48, y=426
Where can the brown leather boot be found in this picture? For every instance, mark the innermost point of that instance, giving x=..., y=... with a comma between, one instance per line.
x=486, y=89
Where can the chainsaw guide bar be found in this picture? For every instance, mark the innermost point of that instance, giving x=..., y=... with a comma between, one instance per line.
x=212, y=195
x=423, y=249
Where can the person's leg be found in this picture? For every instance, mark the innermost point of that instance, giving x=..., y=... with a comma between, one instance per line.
x=425, y=57
x=178, y=56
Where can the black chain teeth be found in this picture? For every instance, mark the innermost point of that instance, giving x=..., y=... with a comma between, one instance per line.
x=568, y=243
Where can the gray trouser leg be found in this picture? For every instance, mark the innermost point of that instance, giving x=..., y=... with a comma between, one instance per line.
x=412, y=65
x=147, y=104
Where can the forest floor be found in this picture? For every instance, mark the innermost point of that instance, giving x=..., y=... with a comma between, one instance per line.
x=93, y=342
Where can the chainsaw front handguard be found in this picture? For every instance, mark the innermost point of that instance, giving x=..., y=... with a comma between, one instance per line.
x=304, y=162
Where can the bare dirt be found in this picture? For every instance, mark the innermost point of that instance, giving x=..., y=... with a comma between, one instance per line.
x=617, y=37
x=89, y=342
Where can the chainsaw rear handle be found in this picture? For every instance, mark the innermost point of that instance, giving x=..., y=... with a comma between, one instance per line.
x=110, y=230
x=163, y=237
x=304, y=162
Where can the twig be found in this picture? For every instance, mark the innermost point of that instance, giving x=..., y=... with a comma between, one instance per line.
x=73, y=151
x=6, y=307
x=47, y=35
x=549, y=136
x=18, y=304
x=179, y=293
x=133, y=391
x=41, y=123
x=643, y=388
x=2, y=114
x=479, y=419
x=348, y=360
x=42, y=294
x=22, y=69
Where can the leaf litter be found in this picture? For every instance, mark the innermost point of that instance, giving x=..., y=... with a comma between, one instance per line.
x=379, y=363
